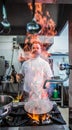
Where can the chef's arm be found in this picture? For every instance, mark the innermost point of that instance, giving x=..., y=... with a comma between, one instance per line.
x=19, y=77
x=22, y=58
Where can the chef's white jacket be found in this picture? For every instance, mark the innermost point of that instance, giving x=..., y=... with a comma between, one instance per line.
x=35, y=72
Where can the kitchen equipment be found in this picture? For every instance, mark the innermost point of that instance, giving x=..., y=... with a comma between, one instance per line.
x=33, y=27
x=4, y=24
x=6, y=103
x=39, y=106
x=65, y=66
x=55, y=93
x=19, y=117
x=2, y=66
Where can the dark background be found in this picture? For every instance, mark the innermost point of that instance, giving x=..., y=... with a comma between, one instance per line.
x=19, y=14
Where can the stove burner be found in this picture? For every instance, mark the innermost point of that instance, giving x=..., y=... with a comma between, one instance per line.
x=18, y=117
x=41, y=120
x=47, y=121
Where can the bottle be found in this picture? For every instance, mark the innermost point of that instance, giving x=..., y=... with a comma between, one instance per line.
x=55, y=93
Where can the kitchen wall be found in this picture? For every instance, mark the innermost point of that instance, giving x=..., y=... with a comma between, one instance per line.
x=61, y=42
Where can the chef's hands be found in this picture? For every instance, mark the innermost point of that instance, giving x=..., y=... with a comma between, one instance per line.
x=23, y=58
x=19, y=77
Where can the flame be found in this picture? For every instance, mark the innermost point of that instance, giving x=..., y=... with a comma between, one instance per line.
x=30, y=6
x=47, y=23
x=34, y=117
x=37, y=117
x=48, y=27
x=38, y=7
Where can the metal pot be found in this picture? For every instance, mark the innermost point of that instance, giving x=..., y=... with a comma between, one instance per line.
x=6, y=103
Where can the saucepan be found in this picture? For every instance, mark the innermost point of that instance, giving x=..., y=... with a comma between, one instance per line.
x=40, y=107
x=6, y=103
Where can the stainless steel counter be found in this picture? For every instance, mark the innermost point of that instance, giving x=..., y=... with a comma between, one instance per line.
x=48, y=127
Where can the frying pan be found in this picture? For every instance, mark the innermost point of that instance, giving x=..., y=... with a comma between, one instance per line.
x=41, y=107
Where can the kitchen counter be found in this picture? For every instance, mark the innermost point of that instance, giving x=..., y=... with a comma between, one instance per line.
x=49, y=127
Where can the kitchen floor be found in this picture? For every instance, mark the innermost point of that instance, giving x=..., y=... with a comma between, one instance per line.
x=65, y=114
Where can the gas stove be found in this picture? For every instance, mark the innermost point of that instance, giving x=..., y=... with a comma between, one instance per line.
x=19, y=117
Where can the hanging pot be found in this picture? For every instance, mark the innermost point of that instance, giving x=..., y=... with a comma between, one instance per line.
x=33, y=27
x=4, y=24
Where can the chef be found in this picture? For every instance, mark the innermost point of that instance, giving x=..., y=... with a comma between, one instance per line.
x=34, y=73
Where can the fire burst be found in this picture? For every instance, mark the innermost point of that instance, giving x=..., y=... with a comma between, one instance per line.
x=48, y=28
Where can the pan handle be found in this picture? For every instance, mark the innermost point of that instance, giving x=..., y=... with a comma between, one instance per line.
x=6, y=112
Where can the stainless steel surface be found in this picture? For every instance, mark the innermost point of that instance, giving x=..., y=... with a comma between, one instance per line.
x=23, y=103
x=5, y=104
x=2, y=66
x=62, y=96
x=15, y=104
x=9, y=128
x=57, y=80
x=50, y=127
x=9, y=86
